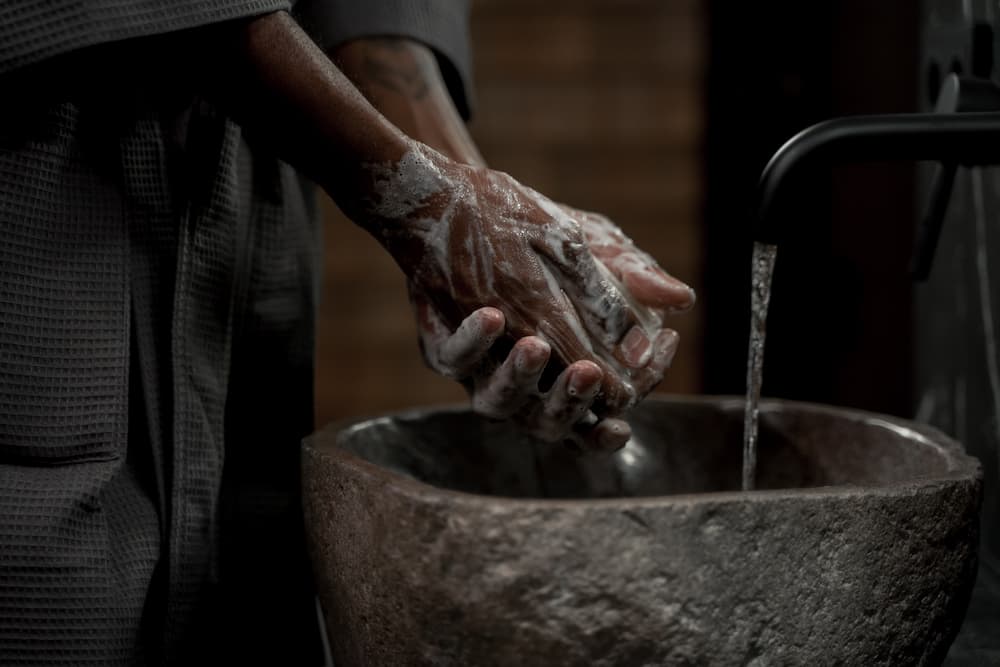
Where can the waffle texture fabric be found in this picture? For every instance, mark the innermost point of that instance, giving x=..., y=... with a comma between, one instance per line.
x=158, y=286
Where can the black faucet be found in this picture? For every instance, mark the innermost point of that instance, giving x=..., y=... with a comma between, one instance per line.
x=964, y=131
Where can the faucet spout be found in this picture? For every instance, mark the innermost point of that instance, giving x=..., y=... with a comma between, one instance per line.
x=962, y=138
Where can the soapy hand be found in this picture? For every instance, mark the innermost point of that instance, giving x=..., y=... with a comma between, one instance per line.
x=468, y=237
x=509, y=388
x=638, y=273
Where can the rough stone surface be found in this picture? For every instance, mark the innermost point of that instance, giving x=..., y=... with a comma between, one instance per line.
x=441, y=539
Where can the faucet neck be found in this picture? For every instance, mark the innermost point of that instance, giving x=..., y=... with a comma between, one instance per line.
x=967, y=139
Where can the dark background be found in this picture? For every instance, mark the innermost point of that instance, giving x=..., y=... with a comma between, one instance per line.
x=839, y=329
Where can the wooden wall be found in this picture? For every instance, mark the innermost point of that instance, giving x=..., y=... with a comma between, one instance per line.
x=596, y=103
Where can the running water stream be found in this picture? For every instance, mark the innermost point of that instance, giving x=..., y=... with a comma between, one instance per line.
x=762, y=267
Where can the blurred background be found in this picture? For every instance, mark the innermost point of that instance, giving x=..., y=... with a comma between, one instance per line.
x=661, y=114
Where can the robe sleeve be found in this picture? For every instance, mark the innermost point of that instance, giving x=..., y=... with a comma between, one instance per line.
x=440, y=24
x=31, y=32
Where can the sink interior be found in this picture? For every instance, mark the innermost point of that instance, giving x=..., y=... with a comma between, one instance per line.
x=677, y=448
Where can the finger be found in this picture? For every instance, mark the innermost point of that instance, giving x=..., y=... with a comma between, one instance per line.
x=607, y=435
x=463, y=350
x=633, y=271
x=634, y=351
x=664, y=347
x=602, y=308
x=593, y=291
x=617, y=393
x=600, y=231
x=654, y=288
x=643, y=364
x=561, y=327
x=638, y=272
x=568, y=400
x=650, y=285
x=506, y=391
x=570, y=344
x=432, y=333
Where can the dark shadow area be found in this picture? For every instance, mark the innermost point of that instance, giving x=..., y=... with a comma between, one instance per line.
x=840, y=325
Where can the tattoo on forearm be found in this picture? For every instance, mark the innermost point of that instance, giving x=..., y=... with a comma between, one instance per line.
x=388, y=63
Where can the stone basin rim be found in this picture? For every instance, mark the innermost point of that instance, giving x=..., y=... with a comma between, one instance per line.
x=961, y=466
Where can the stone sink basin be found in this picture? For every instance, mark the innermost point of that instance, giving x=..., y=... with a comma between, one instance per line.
x=438, y=538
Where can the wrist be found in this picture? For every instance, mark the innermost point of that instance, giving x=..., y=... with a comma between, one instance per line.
x=405, y=201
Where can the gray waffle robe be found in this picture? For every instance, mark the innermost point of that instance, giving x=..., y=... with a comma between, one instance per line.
x=158, y=285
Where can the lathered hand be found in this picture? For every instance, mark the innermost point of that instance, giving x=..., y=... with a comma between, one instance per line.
x=509, y=388
x=637, y=272
x=469, y=237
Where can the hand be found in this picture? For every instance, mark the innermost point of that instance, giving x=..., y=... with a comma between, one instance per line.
x=653, y=291
x=510, y=389
x=639, y=274
x=468, y=237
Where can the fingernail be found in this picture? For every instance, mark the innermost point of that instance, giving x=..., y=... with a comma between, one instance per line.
x=684, y=292
x=666, y=344
x=531, y=360
x=613, y=436
x=664, y=280
x=487, y=323
x=579, y=386
x=689, y=301
x=636, y=348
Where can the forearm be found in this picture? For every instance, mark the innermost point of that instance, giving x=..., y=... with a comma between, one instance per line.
x=271, y=77
x=401, y=78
